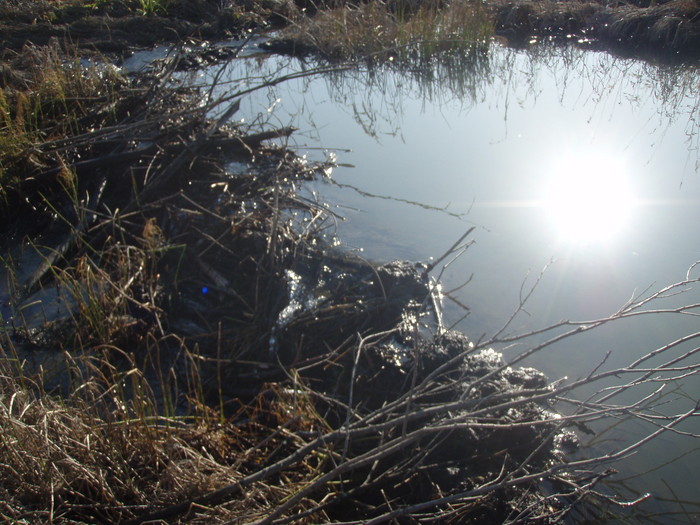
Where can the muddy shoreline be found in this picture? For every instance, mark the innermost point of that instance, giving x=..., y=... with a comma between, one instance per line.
x=666, y=31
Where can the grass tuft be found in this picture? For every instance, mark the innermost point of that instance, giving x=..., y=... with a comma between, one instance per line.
x=383, y=30
x=58, y=97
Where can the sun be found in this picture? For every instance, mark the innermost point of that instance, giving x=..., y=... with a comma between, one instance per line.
x=588, y=199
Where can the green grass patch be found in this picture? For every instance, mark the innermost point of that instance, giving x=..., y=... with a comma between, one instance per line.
x=153, y=7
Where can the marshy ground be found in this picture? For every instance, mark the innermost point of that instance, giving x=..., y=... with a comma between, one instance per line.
x=180, y=341
x=647, y=28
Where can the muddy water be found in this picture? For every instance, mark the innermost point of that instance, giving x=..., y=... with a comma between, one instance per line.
x=578, y=162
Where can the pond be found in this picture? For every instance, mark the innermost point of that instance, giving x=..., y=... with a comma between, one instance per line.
x=575, y=161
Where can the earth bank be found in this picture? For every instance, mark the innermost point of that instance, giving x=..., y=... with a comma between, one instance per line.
x=667, y=29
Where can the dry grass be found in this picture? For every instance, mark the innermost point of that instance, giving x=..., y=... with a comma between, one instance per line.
x=384, y=30
x=54, y=96
x=66, y=461
x=416, y=32
x=134, y=428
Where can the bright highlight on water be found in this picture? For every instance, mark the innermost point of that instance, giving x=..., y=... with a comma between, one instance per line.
x=588, y=199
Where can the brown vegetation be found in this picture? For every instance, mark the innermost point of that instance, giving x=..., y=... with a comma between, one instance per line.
x=180, y=344
x=669, y=30
x=380, y=31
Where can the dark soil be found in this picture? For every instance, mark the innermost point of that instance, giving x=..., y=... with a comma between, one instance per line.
x=667, y=30
x=116, y=30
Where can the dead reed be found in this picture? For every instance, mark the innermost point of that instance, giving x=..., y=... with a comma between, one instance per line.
x=391, y=30
x=111, y=313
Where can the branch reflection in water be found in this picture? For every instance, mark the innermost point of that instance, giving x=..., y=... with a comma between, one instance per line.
x=480, y=134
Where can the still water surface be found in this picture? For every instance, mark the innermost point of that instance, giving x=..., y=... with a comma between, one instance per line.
x=575, y=161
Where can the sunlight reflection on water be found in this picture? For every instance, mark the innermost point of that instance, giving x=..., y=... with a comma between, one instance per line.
x=588, y=199
x=584, y=159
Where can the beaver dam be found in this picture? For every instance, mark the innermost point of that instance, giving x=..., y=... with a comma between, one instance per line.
x=189, y=337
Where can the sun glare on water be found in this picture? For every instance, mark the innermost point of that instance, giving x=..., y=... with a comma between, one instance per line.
x=588, y=199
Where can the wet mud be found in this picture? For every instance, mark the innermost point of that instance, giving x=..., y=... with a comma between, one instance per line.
x=113, y=29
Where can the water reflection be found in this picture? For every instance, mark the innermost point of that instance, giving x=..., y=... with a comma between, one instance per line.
x=546, y=152
x=588, y=198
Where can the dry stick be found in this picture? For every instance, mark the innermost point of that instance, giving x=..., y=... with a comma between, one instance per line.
x=220, y=72
x=668, y=291
x=595, y=409
x=181, y=194
x=106, y=132
x=525, y=396
x=117, y=131
x=580, y=327
x=234, y=489
x=349, y=465
x=403, y=441
x=358, y=351
x=412, y=394
x=281, y=79
x=110, y=160
x=231, y=490
x=574, y=465
x=522, y=300
x=448, y=365
x=450, y=250
x=652, y=420
x=582, y=491
x=237, y=144
x=503, y=400
x=241, y=144
x=656, y=352
x=424, y=387
x=189, y=151
x=684, y=310
x=458, y=249
x=396, y=199
x=427, y=382
x=685, y=371
x=272, y=236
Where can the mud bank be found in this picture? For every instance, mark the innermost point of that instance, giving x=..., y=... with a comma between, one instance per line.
x=116, y=27
x=656, y=30
x=667, y=30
